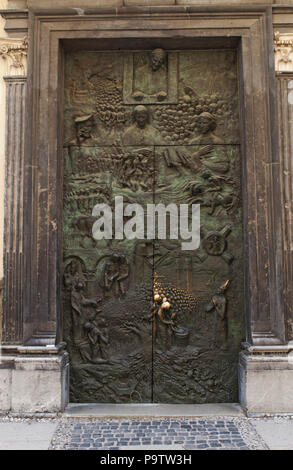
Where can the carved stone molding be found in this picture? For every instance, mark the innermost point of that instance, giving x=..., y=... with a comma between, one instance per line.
x=283, y=46
x=13, y=55
x=42, y=249
x=12, y=305
x=13, y=64
x=285, y=117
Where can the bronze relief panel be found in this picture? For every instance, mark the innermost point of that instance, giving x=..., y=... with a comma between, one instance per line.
x=199, y=303
x=144, y=320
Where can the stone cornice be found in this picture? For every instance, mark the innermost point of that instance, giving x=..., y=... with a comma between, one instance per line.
x=16, y=22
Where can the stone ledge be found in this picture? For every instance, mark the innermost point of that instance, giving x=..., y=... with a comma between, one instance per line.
x=40, y=363
x=15, y=349
x=34, y=384
x=16, y=22
x=223, y=2
x=101, y=410
x=266, y=384
x=78, y=4
x=21, y=4
x=46, y=8
x=149, y=2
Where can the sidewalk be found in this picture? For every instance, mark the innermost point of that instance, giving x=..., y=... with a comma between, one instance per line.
x=147, y=433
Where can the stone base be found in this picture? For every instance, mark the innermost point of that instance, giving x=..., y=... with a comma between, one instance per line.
x=35, y=380
x=34, y=383
x=266, y=380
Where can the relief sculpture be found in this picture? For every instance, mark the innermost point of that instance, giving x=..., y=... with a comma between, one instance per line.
x=151, y=77
x=218, y=304
x=88, y=337
x=155, y=83
x=206, y=124
x=115, y=274
x=84, y=127
x=144, y=320
x=141, y=132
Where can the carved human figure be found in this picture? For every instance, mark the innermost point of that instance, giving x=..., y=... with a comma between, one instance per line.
x=137, y=170
x=84, y=128
x=98, y=336
x=178, y=161
x=87, y=132
x=158, y=59
x=83, y=324
x=164, y=320
x=116, y=271
x=73, y=273
x=84, y=225
x=141, y=132
x=218, y=304
x=150, y=78
x=200, y=186
x=206, y=124
x=208, y=190
x=128, y=169
x=83, y=309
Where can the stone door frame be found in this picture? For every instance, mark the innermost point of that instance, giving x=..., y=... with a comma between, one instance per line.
x=50, y=32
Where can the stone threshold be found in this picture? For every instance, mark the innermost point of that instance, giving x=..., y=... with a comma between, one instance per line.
x=138, y=410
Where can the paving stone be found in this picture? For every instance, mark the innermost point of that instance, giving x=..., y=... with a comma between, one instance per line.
x=190, y=433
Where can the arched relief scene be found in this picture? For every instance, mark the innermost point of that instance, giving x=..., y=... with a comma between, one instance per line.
x=144, y=320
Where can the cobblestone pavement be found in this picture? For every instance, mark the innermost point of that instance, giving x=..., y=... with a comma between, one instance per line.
x=190, y=433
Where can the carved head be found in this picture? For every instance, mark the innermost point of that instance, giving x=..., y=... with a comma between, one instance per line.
x=206, y=123
x=141, y=115
x=84, y=126
x=80, y=284
x=158, y=58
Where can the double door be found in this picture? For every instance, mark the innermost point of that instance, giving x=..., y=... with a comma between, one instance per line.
x=145, y=319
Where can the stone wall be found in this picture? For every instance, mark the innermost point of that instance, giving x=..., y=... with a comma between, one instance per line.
x=21, y=4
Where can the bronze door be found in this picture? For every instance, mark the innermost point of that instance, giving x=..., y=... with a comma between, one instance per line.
x=145, y=320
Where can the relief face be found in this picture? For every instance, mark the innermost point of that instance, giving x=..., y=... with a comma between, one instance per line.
x=145, y=321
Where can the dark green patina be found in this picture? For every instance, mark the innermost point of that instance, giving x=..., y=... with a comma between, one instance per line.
x=144, y=320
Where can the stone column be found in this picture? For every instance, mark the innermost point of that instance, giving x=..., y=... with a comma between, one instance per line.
x=13, y=53
x=266, y=372
x=284, y=70
x=13, y=223
x=34, y=375
x=285, y=115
